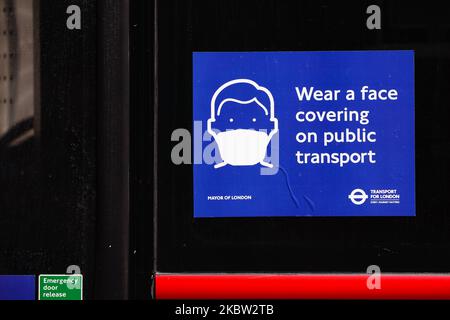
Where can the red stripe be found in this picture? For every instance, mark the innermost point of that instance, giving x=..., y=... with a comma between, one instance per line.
x=408, y=286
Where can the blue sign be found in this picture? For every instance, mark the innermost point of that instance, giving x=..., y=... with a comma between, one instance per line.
x=306, y=134
x=17, y=288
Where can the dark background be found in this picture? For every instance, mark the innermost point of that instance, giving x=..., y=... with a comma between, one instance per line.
x=141, y=148
x=64, y=193
x=420, y=244
x=48, y=182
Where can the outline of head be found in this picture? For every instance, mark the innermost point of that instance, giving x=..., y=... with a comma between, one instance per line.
x=270, y=112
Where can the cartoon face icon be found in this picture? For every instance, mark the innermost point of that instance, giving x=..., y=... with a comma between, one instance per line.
x=242, y=122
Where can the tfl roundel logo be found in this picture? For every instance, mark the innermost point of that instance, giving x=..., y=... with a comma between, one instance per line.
x=358, y=197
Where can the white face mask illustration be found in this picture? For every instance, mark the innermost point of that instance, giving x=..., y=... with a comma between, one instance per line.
x=243, y=146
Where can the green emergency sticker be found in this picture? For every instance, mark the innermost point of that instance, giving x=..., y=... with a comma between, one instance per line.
x=61, y=287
